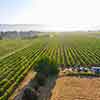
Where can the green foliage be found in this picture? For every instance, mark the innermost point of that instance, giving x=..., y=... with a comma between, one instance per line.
x=19, y=79
x=46, y=66
x=62, y=49
x=84, y=74
x=29, y=94
x=41, y=79
x=1, y=91
x=41, y=65
x=53, y=68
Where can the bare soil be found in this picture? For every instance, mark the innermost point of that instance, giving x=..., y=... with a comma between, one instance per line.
x=75, y=88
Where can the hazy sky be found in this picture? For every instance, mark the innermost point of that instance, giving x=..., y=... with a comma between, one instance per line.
x=74, y=14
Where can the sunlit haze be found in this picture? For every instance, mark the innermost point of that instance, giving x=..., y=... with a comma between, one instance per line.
x=53, y=14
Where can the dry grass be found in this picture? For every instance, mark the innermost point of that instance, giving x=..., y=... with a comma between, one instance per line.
x=74, y=88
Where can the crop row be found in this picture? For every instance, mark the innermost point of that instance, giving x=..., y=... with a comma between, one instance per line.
x=74, y=56
x=14, y=68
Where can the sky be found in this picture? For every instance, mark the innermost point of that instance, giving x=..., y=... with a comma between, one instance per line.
x=56, y=14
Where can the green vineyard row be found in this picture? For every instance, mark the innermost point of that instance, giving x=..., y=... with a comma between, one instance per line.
x=14, y=68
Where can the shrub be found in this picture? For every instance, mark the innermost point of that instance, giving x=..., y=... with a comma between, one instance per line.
x=1, y=91
x=29, y=94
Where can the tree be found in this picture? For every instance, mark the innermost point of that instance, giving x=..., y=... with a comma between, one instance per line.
x=46, y=66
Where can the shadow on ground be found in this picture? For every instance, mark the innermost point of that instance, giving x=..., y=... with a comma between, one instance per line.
x=43, y=92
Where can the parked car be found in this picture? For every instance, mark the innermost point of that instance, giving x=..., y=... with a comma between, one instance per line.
x=95, y=69
x=86, y=69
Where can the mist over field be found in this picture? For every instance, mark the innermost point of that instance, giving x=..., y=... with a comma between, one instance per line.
x=45, y=28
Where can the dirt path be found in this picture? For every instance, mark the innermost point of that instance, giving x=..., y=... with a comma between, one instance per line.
x=23, y=84
x=74, y=88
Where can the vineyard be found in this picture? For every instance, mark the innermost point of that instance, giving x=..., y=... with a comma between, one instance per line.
x=67, y=50
x=8, y=46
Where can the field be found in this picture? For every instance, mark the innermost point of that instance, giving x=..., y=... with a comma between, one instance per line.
x=69, y=50
x=73, y=88
x=8, y=46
